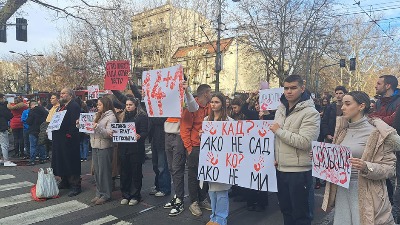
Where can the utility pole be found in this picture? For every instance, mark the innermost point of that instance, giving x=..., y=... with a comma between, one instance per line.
x=26, y=56
x=218, y=52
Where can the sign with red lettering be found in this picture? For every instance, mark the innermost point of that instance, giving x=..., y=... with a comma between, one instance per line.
x=331, y=163
x=238, y=153
x=93, y=92
x=86, y=123
x=270, y=99
x=163, y=91
x=117, y=75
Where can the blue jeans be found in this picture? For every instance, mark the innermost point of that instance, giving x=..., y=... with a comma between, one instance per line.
x=84, y=147
x=164, y=177
x=27, y=145
x=33, y=140
x=219, y=206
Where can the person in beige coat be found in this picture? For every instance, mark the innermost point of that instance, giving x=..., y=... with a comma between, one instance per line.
x=102, y=150
x=372, y=143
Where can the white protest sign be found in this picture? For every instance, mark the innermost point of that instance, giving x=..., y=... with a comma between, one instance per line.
x=124, y=132
x=93, y=92
x=56, y=121
x=163, y=91
x=238, y=153
x=331, y=163
x=86, y=123
x=270, y=99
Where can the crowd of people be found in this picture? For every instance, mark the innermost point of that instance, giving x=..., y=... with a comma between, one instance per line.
x=369, y=127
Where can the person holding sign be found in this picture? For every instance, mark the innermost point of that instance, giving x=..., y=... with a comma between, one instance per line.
x=372, y=143
x=132, y=154
x=102, y=150
x=218, y=192
x=66, y=158
x=296, y=125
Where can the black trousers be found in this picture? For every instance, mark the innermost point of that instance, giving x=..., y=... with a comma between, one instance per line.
x=72, y=181
x=196, y=193
x=18, y=141
x=131, y=177
x=293, y=196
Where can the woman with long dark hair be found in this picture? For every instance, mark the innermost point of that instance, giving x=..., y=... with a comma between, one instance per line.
x=132, y=155
x=102, y=150
x=218, y=192
x=372, y=143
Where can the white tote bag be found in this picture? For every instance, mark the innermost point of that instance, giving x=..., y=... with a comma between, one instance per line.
x=46, y=185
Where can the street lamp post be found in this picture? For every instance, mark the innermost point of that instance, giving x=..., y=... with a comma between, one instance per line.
x=26, y=56
x=218, y=60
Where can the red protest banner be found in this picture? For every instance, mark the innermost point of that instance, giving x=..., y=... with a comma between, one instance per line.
x=117, y=73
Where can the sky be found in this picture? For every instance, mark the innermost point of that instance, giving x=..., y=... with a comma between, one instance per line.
x=44, y=31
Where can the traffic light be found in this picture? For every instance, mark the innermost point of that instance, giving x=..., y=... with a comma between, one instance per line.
x=352, y=64
x=342, y=63
x=22, y=29
x=3, y=33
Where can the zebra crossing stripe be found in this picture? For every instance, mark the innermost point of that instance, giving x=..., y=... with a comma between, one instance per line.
x=6, y=177
x=123, y=223
x=101, y=220
x=42, y=214
x=6, y=187
x=13, y=200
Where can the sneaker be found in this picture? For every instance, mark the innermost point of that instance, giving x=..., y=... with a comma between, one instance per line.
x=101, y=201
x=177, y=209
x=205, y=205
x=9, y=163
x=153, y=190
x=133, y=202
x=31, y=163
x=170, y=204
x=124, y=201
x=195, y=209
x=94, y=200
x=160, y=194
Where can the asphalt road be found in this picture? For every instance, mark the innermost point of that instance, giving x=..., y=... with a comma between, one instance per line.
x=16, y=206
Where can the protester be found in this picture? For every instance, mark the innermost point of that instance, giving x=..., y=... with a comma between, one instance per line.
x=296, y=125
x=372, y=106
x=102, y=153
x=332, y=111
x=396, y=196
x=16, y=125
x=55, y=104
x=65, y=160
x=5, y=117
x=218, y=192
x=132, y=155
x=372, y=143
x=27, y=146
x=36, y=117
x=385, y=109
x=176, y=155
x=191, y=123
x=228, y=105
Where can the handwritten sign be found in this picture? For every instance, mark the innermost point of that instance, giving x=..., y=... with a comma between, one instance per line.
x=86, y=123
x=124, y=132
x=331, y=163
x=117, y=73
x=93, y=92
x=238, y=153
x=56, y=121
x=163, y=91
x=270, y=99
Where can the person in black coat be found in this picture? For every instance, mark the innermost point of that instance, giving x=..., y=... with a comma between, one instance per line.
x=37, y=116
x=132, y=155
x=5, y=117
x=66, y=159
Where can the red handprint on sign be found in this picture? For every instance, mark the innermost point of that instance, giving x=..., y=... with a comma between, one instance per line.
x=264, y=129
x=265, y=104
x=209, y=127
x=213, y=160
x=258, y=165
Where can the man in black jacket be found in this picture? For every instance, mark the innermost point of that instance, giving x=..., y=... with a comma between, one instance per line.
x=328, y=122
x=5, y=116
x=37, y=116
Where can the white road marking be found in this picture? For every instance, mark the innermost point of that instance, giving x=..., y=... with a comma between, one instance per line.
x=13, y=200
x=102, y=220
x=6, y=177
x=6, y=187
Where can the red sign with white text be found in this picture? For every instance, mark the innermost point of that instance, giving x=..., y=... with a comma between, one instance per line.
x=117, y=75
